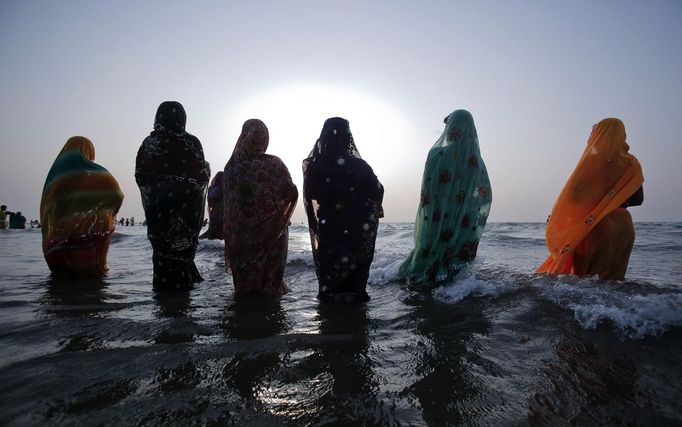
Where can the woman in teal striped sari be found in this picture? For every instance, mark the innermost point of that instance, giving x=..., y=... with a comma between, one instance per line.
x=455, y=203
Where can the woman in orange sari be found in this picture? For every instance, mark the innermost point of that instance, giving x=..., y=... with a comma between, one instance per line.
x=590, y=230
x=78, y=211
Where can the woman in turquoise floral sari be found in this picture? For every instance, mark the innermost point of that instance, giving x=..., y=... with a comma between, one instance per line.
x=455, y=203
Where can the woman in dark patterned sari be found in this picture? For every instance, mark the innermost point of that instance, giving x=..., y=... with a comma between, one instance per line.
x=172, y=175
x=260, y=198
x=342, y=199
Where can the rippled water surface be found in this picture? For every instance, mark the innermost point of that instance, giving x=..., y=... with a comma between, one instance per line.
x=499, y=345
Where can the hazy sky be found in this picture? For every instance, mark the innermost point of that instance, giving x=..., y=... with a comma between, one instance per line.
x=536, y=75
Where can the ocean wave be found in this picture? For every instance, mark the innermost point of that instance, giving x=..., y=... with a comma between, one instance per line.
x=300, y=258
x=635, y=310
x=514, y=239
x=466, y=284
x=209, y=245
x=117, y=237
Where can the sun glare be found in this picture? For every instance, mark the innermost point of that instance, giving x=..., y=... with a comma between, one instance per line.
x=295, y=115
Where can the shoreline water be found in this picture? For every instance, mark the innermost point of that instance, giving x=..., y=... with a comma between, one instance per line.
x=499, y=345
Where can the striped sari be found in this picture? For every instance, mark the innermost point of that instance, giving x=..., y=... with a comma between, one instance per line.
x=78, y=210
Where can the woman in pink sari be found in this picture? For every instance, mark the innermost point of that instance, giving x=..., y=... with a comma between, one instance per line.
x=260, y=198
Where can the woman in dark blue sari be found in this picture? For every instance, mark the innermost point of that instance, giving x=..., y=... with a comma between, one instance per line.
x=342, y=199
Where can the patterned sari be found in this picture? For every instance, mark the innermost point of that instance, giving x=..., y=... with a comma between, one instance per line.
x=455, y=203
x=589, y=230
x=215, y=208
x=343, y=203
x=260, y=198
x=172, y=175
x=78, y=210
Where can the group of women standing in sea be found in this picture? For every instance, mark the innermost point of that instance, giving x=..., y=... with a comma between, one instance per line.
x=251, y=202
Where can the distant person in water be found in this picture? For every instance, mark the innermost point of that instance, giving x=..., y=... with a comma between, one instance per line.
x=127, y=222
x=132, y=221
x=455, y=203
x=78, y=211
x=17, y=221
x=259, y=199
x=590, y=231
x=215, y=208
x=342, y=199
x=172, y=175
x=5, y=216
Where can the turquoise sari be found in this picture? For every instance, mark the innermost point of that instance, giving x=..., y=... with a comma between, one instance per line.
x=455, y=203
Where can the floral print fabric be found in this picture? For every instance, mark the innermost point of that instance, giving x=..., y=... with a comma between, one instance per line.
x=455, y=203
x=172, y=175
x=259, y=199
x=343, y=204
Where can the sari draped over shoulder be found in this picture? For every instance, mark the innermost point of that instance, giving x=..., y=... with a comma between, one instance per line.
x=215, y=208
x=343, y=199
x=588, y=231
x=455, y=203
x=78, y=210
x=260, y=198
x=172, y=175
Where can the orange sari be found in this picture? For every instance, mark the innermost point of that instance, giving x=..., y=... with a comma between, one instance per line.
x=588, y=231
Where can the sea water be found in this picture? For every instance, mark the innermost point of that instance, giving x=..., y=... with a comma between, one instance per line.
x=498, y=345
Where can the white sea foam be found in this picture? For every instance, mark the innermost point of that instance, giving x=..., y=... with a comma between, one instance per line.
x=384, y=271
x=466, y=284
x=635, y=312
x=477, y=279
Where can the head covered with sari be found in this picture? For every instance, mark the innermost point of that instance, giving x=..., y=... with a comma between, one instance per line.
x=343, y=199
x=606, y=176
x=455, y=203
x=259, y=199
x=172, y=175
x=78, y=208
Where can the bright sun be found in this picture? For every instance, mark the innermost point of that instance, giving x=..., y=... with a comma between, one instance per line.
x=295, y=115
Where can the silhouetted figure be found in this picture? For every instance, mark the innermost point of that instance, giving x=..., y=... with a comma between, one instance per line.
x=342, y=199
x=260, y=198
x=172, y=175
x=17, y=221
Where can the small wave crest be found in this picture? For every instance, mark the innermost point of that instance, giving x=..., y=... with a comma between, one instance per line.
x=635, y=310
x=477, y=280
x=209, y=245
x=119, y=237
x=301, y=257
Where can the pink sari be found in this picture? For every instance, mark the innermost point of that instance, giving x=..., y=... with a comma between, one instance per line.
x=260, y=198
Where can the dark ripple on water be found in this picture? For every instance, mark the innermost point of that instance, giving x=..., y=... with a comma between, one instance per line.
x=500, y=345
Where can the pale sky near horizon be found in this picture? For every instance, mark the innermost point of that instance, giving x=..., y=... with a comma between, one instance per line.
x=536, y=75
